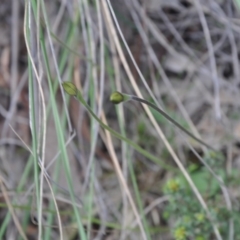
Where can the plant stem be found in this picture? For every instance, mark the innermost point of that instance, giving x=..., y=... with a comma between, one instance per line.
x=171, y=120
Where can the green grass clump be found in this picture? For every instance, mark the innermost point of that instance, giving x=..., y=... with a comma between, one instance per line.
x=190, y=221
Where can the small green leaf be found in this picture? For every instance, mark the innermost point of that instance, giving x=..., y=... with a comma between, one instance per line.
x=117, y=97
x=70, y=88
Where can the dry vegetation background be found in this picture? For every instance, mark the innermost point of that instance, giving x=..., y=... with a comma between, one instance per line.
x=188, y=55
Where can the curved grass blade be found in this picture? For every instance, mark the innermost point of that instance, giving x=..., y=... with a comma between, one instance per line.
x=118, y=97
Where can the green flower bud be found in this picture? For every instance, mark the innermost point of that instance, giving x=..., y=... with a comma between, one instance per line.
x=200, y=217
x=70, y=88
x=117, y=97
x=180, y=233
x=173, y=185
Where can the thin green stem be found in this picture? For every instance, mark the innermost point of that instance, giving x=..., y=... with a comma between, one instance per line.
x=116, y=134
x=171, y=120
x=118, y=97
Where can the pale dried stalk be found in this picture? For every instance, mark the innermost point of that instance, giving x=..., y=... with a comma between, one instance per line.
x=121, y=176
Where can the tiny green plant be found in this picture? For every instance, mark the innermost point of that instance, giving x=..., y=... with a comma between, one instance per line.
x=190, y=221
x=117, y=97
x=71, y=89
